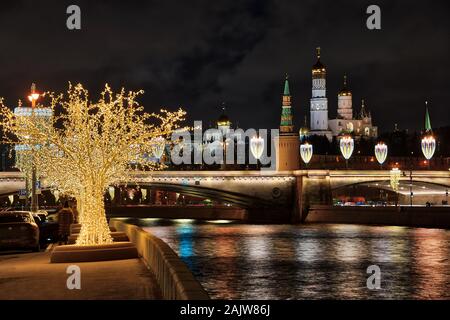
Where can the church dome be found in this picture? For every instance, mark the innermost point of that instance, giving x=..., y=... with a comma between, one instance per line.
x=223, y=120
x=304, y=130
x=344, y=91
x=318, y=66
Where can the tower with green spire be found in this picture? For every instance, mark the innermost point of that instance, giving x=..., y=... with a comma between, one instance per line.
x=287, y=143
x=427, y=119
x=286, y=125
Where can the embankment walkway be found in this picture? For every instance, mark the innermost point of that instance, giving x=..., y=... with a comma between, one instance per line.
x=32, y=276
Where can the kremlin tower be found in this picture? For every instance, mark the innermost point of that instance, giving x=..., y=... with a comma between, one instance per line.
x=287, y=143
x=344, y=110
x=286, y=125
x=319, y=101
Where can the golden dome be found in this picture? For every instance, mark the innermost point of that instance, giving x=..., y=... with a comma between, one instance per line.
x=223, y=120
x=318, y=66
x=344, y=91
x=304, y=130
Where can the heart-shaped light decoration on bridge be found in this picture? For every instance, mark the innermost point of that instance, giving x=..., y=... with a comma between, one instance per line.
x=381, y=151
x=428, y=146
x=347, y=144
x=306, y=152
x=257, y=146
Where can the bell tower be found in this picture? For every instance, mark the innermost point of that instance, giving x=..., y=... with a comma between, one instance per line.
x=319, y=101
x=345, y=102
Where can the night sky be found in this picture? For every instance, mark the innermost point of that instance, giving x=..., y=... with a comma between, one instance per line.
x=198, y=54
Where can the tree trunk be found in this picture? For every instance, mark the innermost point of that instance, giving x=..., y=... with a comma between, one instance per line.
x=94, y=226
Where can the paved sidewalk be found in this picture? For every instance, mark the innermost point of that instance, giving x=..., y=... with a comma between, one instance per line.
x=32, y=276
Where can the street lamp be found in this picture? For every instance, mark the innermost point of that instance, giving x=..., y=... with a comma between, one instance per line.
x=224, y=145
x=347, y=144
x=395, y=181
x=257, y=147
x=36, y=113
x=381, y=151
x=306, y=152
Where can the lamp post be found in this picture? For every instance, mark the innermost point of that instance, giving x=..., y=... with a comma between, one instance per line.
x=34, y=201
x=36, y=113
x=411, y=194
x=381, y=151
x=224, y=153
x=347, y=145
x=395, y=181
x=306, y=152
x=257, y=148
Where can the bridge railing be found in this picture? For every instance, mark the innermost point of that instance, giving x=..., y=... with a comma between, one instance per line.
x=337, y=162
x=370, y=163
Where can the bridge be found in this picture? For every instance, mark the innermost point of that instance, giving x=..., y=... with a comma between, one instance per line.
x=276, y=195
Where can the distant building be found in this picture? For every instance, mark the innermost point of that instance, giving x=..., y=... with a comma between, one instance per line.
x=345, y=123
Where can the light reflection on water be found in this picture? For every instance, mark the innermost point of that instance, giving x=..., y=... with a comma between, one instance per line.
x=238, y=261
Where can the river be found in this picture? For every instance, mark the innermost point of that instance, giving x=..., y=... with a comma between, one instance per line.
x=316, y=261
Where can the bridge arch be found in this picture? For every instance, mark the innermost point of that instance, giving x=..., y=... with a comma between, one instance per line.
x=385, y=184
x=234, y=198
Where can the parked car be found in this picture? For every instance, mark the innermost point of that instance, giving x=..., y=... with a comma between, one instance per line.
x=18, y=230
x=48, y=228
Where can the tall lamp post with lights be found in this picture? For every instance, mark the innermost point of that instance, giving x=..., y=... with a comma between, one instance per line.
x=395, y=174
x=411, y=194
x=37, y=113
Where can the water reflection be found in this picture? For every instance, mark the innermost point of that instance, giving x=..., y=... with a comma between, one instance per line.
x=238, y=261
x=431, y=262
x=185, y=248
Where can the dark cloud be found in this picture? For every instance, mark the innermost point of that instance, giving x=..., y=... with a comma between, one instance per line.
x=197, y=54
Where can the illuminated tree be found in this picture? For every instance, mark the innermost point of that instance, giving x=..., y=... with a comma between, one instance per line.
x=88, y=146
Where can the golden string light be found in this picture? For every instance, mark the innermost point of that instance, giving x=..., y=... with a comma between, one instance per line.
x=87, y=146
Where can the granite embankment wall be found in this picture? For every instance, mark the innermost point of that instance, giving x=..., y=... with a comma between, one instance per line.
x=431, y=217
x=174, y=277
x=178, y=212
